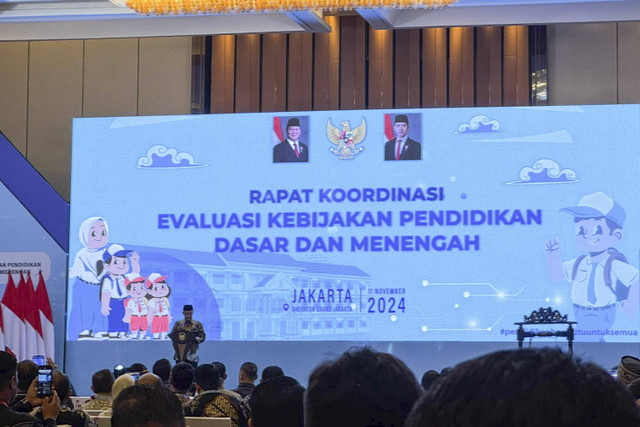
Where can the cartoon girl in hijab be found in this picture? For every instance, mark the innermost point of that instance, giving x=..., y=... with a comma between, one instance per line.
x=85, y=320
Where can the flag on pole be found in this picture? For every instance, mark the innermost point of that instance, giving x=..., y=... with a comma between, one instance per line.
x=46, y=317
x=14, y=329
x=35, y=342
x=388, y=127
x=2, y=346
x=28, y=339
x=278, y=136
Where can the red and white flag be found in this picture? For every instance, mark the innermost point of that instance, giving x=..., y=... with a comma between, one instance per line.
x=2, y=346
x=14, y=329
x=278, y=136
x=46, y=317
x=31, y=314
x=388, y=127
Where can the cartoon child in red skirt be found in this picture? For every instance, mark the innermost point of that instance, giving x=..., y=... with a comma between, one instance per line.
x=136, y=306
x=158, y=293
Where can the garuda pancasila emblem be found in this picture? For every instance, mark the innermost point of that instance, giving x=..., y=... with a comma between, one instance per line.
x=346, y=139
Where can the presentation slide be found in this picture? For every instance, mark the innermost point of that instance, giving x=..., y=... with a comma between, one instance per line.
x=372, y=225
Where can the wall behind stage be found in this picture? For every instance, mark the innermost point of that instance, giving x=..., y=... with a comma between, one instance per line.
x=588, y=64
x=21, y=233
x=44, y=84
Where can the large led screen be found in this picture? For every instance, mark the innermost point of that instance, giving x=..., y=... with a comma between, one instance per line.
x=433, y=224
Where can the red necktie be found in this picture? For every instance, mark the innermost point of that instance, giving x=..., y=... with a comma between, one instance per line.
x=139, y=307
x=398, y=150
x=295, y=144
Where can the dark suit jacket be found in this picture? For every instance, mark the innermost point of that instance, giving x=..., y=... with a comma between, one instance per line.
x=284, y=153
x=9, y=417
x=411, y=150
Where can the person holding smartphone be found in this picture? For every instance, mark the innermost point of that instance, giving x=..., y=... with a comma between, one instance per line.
x=67, y=415
x=16, y=414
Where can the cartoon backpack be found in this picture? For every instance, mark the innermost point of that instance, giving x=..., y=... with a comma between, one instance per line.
x=620, y=291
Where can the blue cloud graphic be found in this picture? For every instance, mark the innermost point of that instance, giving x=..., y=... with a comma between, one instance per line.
x=479, y=123
x=161, y=157
x=545, y=171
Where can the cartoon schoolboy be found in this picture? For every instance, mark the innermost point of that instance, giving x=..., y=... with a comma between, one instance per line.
x=136, y=307
x=113, y=290
x=158, y=293
x=85, y=320
x=601, y=276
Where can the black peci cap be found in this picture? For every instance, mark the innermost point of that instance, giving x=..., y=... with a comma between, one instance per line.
x=293, y=122
x=401, y=118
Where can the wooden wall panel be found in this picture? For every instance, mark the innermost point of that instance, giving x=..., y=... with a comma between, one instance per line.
x=489, y=66
x=352, y=63
x=55, y=98
x=516, y=65
x=164, y=76
x=522, y=70
x=223, y=62
x=248, y=74
x=461, y=67
x=628, y=62
x=326, y=67
x=434, y=67
x=299, y=74
x=14, y=66
x=583, y=63
x=380, y=69
x=274, y=72
x=407, y=69
x=110, y=78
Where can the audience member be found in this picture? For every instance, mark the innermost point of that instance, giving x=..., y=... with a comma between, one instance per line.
x=210, y=402
x=362, y=388
x=162, y=368
x=445, y=371
x=147, y=406
x=27, y=372
x=532, y=387
x=223, y=376
x=101, y=384
x=277, y=403
x=15, y=416
x=628, y=369
x=271, y=372
x=67, y=415
x=428, y=378
x=149, y=379
x=634, y=389
x=181, y=380
x=137, y=367
x=246, y=379
x=122, y=382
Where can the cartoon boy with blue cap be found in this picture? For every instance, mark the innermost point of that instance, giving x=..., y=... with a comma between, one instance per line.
x=601, y=276
x=113, y=290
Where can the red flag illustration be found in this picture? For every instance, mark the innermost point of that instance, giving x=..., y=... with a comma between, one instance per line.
x=388, y=127
x=46, y=317
x=278, y=136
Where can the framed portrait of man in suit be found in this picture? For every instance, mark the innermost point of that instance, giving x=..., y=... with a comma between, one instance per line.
x=402, y=135
x=291, y=139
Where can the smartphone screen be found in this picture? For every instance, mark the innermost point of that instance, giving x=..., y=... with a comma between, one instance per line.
x=44, y=380
x=38, y=359
x=135, y=375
